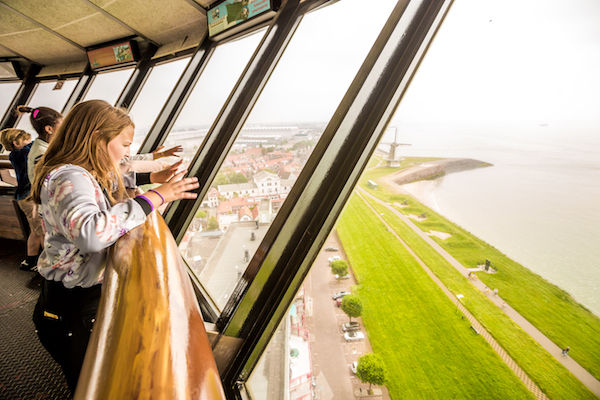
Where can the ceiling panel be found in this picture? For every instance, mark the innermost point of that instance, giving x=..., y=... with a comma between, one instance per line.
x=159, y=20
x=76, y=20
x=29, y=40
x=204, y=3
x=4, y=52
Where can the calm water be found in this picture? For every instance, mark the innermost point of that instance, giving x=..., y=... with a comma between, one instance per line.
x=539, y=203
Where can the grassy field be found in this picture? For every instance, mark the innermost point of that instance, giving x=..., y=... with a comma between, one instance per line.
x=554, y=379
x=552, y=310
x=429, y=351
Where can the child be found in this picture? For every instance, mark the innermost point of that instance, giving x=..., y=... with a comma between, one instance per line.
x=45, y=121
x=18, y=142
x=85, y=210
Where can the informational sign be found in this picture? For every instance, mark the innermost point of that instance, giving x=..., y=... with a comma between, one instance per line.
x=119, y=53
x=230, y=13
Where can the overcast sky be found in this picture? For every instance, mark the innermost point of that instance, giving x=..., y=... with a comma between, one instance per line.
x=492, y=60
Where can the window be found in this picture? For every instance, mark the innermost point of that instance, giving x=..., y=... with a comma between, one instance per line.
x=7, y=93
x=277, y=140
x=485, y=161
x=46, y=96
x=214, y=85
x=108, y=85
x=153, y=95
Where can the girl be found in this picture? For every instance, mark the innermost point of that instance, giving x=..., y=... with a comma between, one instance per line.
x=45, y=121
x=85, y=209
x=18, y=142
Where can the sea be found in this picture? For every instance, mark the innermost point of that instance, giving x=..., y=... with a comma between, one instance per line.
x=539, y=203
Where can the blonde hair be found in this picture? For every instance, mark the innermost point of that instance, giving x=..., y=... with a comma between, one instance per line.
x=10, y=135
x=82, y=140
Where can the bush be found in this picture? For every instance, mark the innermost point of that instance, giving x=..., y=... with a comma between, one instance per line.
x=339, y=267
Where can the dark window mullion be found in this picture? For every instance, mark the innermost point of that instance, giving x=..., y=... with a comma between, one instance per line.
x=83, y=85
x=136, y=80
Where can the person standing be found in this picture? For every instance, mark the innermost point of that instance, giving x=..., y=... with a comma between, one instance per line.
x=18, y=142
x=45, y=122
x=85, y=209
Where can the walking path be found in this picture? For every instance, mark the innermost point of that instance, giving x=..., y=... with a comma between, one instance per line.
x=580, y=373
x=529, y=383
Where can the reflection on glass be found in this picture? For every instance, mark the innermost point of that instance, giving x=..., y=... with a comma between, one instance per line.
x=7, y=92
x=153, y=95
x=296, y=366
x=276, y=141
x=45, y=95
x=108, y=85
x=209, y=94
x=270, y=377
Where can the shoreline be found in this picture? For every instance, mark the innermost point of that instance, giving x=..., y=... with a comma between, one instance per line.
x=418, y=180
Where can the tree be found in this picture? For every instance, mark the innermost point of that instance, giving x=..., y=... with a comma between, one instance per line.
x=237, y=177
x=339, y=268
x=200, y=214
x=220, y=179
x=371, y=369
x=352, y=306
x=212, y=224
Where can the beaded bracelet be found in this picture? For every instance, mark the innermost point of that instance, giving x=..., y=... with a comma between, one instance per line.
x=159, y=195
x=141, y=196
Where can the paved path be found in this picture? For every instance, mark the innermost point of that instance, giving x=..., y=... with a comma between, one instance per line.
x=580, y=373
x=529, y=383
x=331, y=355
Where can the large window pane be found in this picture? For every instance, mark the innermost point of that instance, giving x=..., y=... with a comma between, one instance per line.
x=45, y=95
x=153, y=95
x=108, y=85
x=276, y=141
x=7, y=93
x=210, y=92
x=489, y=173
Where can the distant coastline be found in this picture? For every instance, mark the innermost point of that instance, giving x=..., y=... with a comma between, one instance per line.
x=434, y=169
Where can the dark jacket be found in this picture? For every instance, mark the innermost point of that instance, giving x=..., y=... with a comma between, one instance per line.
x=18, y=159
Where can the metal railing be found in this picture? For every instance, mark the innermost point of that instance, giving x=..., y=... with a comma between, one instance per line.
x=149, y=339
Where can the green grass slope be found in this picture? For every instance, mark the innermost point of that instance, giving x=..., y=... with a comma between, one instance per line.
x=554, y=379
x=552, y=310
x=429, y=351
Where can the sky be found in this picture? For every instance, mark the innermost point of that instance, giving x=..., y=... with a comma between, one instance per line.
x=492, y=60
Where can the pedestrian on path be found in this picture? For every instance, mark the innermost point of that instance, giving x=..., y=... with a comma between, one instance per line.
x=565, y=351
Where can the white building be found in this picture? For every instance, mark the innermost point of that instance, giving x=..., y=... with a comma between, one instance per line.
x=264, y=185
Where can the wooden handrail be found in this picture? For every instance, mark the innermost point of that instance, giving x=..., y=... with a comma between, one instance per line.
x=149, y=340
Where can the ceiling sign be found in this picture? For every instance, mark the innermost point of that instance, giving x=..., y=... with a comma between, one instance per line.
x=120, y=53
x=230, y=13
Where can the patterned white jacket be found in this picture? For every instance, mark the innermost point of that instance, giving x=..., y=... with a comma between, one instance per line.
x=80, y=224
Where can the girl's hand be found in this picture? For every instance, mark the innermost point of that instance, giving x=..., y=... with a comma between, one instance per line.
x=167, y=153
x=164, y=175
x=176, y=188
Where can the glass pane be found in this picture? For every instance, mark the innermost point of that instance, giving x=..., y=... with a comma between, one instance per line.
x=490, y=176
x=7, y=93
x=46, y=96
x=153, y=95
x=276, y=142
x=108, y=85
x=210, y=92
x=311, y=354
